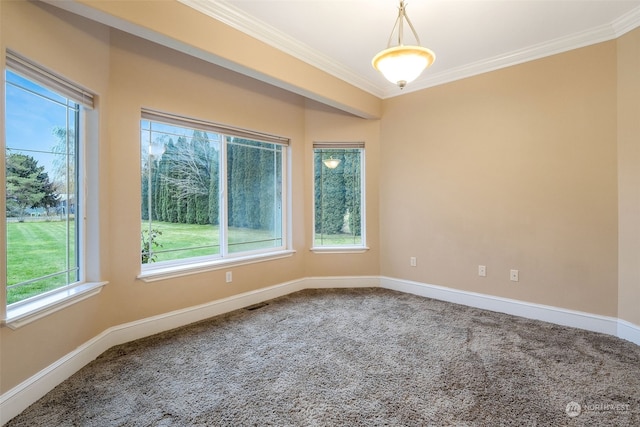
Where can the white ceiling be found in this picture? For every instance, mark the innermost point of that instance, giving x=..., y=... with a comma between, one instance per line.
x=468, y=36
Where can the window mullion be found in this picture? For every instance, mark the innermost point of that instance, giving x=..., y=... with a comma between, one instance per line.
x=363, y=207
x=66, y=178
x=223, y=205
x=150, y=161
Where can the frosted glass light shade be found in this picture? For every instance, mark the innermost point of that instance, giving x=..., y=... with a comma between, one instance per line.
x=403, y=64
x=331, y=163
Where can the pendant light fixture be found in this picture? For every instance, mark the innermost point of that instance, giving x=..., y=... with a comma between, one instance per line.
x=331, y=163
x=402, y=64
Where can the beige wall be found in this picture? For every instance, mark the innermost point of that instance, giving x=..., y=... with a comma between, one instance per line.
x=27, y=28
x=514, y=169
x=146, y=75
x=629, y=176
x=324, y=124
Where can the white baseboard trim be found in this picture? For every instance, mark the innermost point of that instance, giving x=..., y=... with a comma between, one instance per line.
x=29, y=391
x=24, y=394
x=556, y=315
x=628, y=331
x=342, y=282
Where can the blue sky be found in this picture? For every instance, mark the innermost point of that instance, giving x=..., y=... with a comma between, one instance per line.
x=32, y=112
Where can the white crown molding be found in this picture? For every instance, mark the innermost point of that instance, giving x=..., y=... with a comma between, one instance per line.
x=627, y=22
x=595, y=35
x=235, y=18
x=272, y=36
x=33, y=388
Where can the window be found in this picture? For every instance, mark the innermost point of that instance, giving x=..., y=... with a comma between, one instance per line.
x=338, y=189
x=44, y=207
x=209, y=192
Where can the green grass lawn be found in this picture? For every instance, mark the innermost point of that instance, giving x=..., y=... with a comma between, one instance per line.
x=337, y=239
x=37, y=249
x=190, y=240
x=184, y=240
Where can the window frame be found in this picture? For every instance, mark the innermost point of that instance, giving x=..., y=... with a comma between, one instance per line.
x=86, y=225
x=150, y=272
x=347, y=248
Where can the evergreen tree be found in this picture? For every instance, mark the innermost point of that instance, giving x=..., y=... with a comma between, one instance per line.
x=237, y=155
x=190, y=217
x=214, y=192
x=27, y=185
x=144, y=200
x=202, y=209
x=353, y=190
x=252, y=185
x=330, y=199
x=267, y=191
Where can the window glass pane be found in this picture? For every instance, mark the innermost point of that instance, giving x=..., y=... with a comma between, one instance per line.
x=180, y=192
x=184, y=174
x=41, y=189
x=254, y=185
x=338, y=197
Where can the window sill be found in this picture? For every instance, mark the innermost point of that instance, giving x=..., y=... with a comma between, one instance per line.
x=152, y=274
x=22, y=314
x=339, y=249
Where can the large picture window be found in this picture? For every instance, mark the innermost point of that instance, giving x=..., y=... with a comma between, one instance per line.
x=43, y=202
x=338, y=189
x=209, y=192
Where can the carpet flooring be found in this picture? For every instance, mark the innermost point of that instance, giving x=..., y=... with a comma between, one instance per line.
x=354, y=357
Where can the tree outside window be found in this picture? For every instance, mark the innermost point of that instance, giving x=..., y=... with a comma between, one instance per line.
x=338, y=202
x=41, y=177
x=207, y=193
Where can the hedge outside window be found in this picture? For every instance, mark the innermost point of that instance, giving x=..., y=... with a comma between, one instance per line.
x=209, y=192
x=338, y=189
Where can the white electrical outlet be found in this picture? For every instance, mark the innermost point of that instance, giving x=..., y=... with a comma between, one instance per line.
x=413, y=261
x=229, y=277
x=482, y=270
x=513, y=276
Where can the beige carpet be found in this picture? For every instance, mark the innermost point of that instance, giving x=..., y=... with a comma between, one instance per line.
x=354, y=357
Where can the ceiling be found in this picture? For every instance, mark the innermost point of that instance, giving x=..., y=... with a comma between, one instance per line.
x=469, y=37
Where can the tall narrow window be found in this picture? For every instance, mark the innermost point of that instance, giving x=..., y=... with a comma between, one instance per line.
x=208, y=191
x=338, y=190
x=43, y=201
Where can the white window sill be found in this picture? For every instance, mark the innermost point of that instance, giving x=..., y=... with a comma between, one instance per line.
x=23, y=313
x=339, y=249
x=152, y=273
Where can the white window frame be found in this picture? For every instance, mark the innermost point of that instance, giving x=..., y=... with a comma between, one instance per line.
x=151, y=272
x=24, y=312
x=353, y=248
